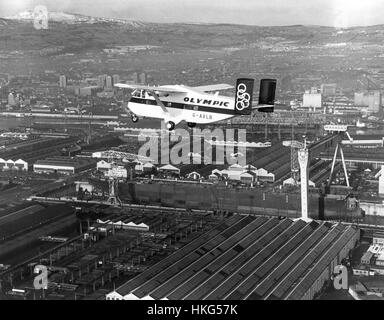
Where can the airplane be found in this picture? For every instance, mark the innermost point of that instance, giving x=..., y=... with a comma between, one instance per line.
x=197, y=105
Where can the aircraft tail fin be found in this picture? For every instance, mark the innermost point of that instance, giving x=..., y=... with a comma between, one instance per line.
x=243, y=97
x=267, y=95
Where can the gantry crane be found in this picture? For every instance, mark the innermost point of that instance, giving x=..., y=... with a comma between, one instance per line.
x=339, y=129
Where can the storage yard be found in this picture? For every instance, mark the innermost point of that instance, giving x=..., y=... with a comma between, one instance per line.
x=107, y=253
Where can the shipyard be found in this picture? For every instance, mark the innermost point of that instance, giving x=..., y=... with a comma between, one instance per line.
x=101, y=224
x=263, y=202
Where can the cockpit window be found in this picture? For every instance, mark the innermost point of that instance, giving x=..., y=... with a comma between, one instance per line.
x=139, y=94
x=136, y=93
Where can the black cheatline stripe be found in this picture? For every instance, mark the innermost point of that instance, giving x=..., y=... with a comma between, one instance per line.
x=176, y=105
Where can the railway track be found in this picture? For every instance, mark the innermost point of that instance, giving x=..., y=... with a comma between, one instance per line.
x=31, y=153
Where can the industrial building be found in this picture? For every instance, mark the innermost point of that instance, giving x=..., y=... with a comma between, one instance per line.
x=194, y=175
x=19, y=164
x=103, y=166
x=117, y=172
x=328, y=89
x=245, y=174
x=64, y=165
x=117, y=244
x=115, y=78
x=111, y=169
x=312, y=99
x=371, y=156
x=372, y=262
x=14, y=135
x=370, y=100
x=169, y=170
x=119, y=155
x=247, y=257
x=365, y=141
x=84, y=185
x=101, y=80
x=41, y=109
x=108, y=82
x=144, y=167
x=87, y=91
x=127, y=223
x=63, y=81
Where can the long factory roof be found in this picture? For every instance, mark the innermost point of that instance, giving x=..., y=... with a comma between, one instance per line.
x=245, y=257
x=64, y=162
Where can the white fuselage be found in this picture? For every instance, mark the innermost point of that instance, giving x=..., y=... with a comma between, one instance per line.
x=190, y=107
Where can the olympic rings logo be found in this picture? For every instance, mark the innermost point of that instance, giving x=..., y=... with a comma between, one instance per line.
x=242, y=98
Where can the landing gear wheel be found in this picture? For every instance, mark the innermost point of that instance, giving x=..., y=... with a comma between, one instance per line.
x=170, y=125
x=191, y=124
x=134, y=118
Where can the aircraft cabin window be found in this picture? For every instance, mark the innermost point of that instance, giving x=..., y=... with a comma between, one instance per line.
x=189, y=107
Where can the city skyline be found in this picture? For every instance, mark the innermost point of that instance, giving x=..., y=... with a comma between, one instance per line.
x=335, y=13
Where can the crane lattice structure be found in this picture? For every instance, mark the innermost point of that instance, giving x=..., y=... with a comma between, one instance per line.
x=113, y=198
x=295, y=167
x=371, y=84
x=113, y=183
x=338, y=129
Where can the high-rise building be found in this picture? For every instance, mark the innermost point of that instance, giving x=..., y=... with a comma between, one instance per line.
x=370, y=100
x=102, y=81
x=312, y=99
x=143, y=78
x=89, y=91
x=108, y=82
x=11, y=99
x=328, y=89
x=135, y=78
x=63, y=81
x=116, y=79
x=76, y=90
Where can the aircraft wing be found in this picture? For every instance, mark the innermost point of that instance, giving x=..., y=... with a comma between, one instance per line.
x=214, y=87
x=256, y=106
x=169, y=89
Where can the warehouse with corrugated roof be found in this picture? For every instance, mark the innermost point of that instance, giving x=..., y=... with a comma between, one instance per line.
x=65, y=165
x=247, y=257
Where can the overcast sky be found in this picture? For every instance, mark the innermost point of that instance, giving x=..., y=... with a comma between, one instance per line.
x=338, y=13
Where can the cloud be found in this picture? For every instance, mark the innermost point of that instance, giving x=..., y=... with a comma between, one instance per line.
x=12, y=7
